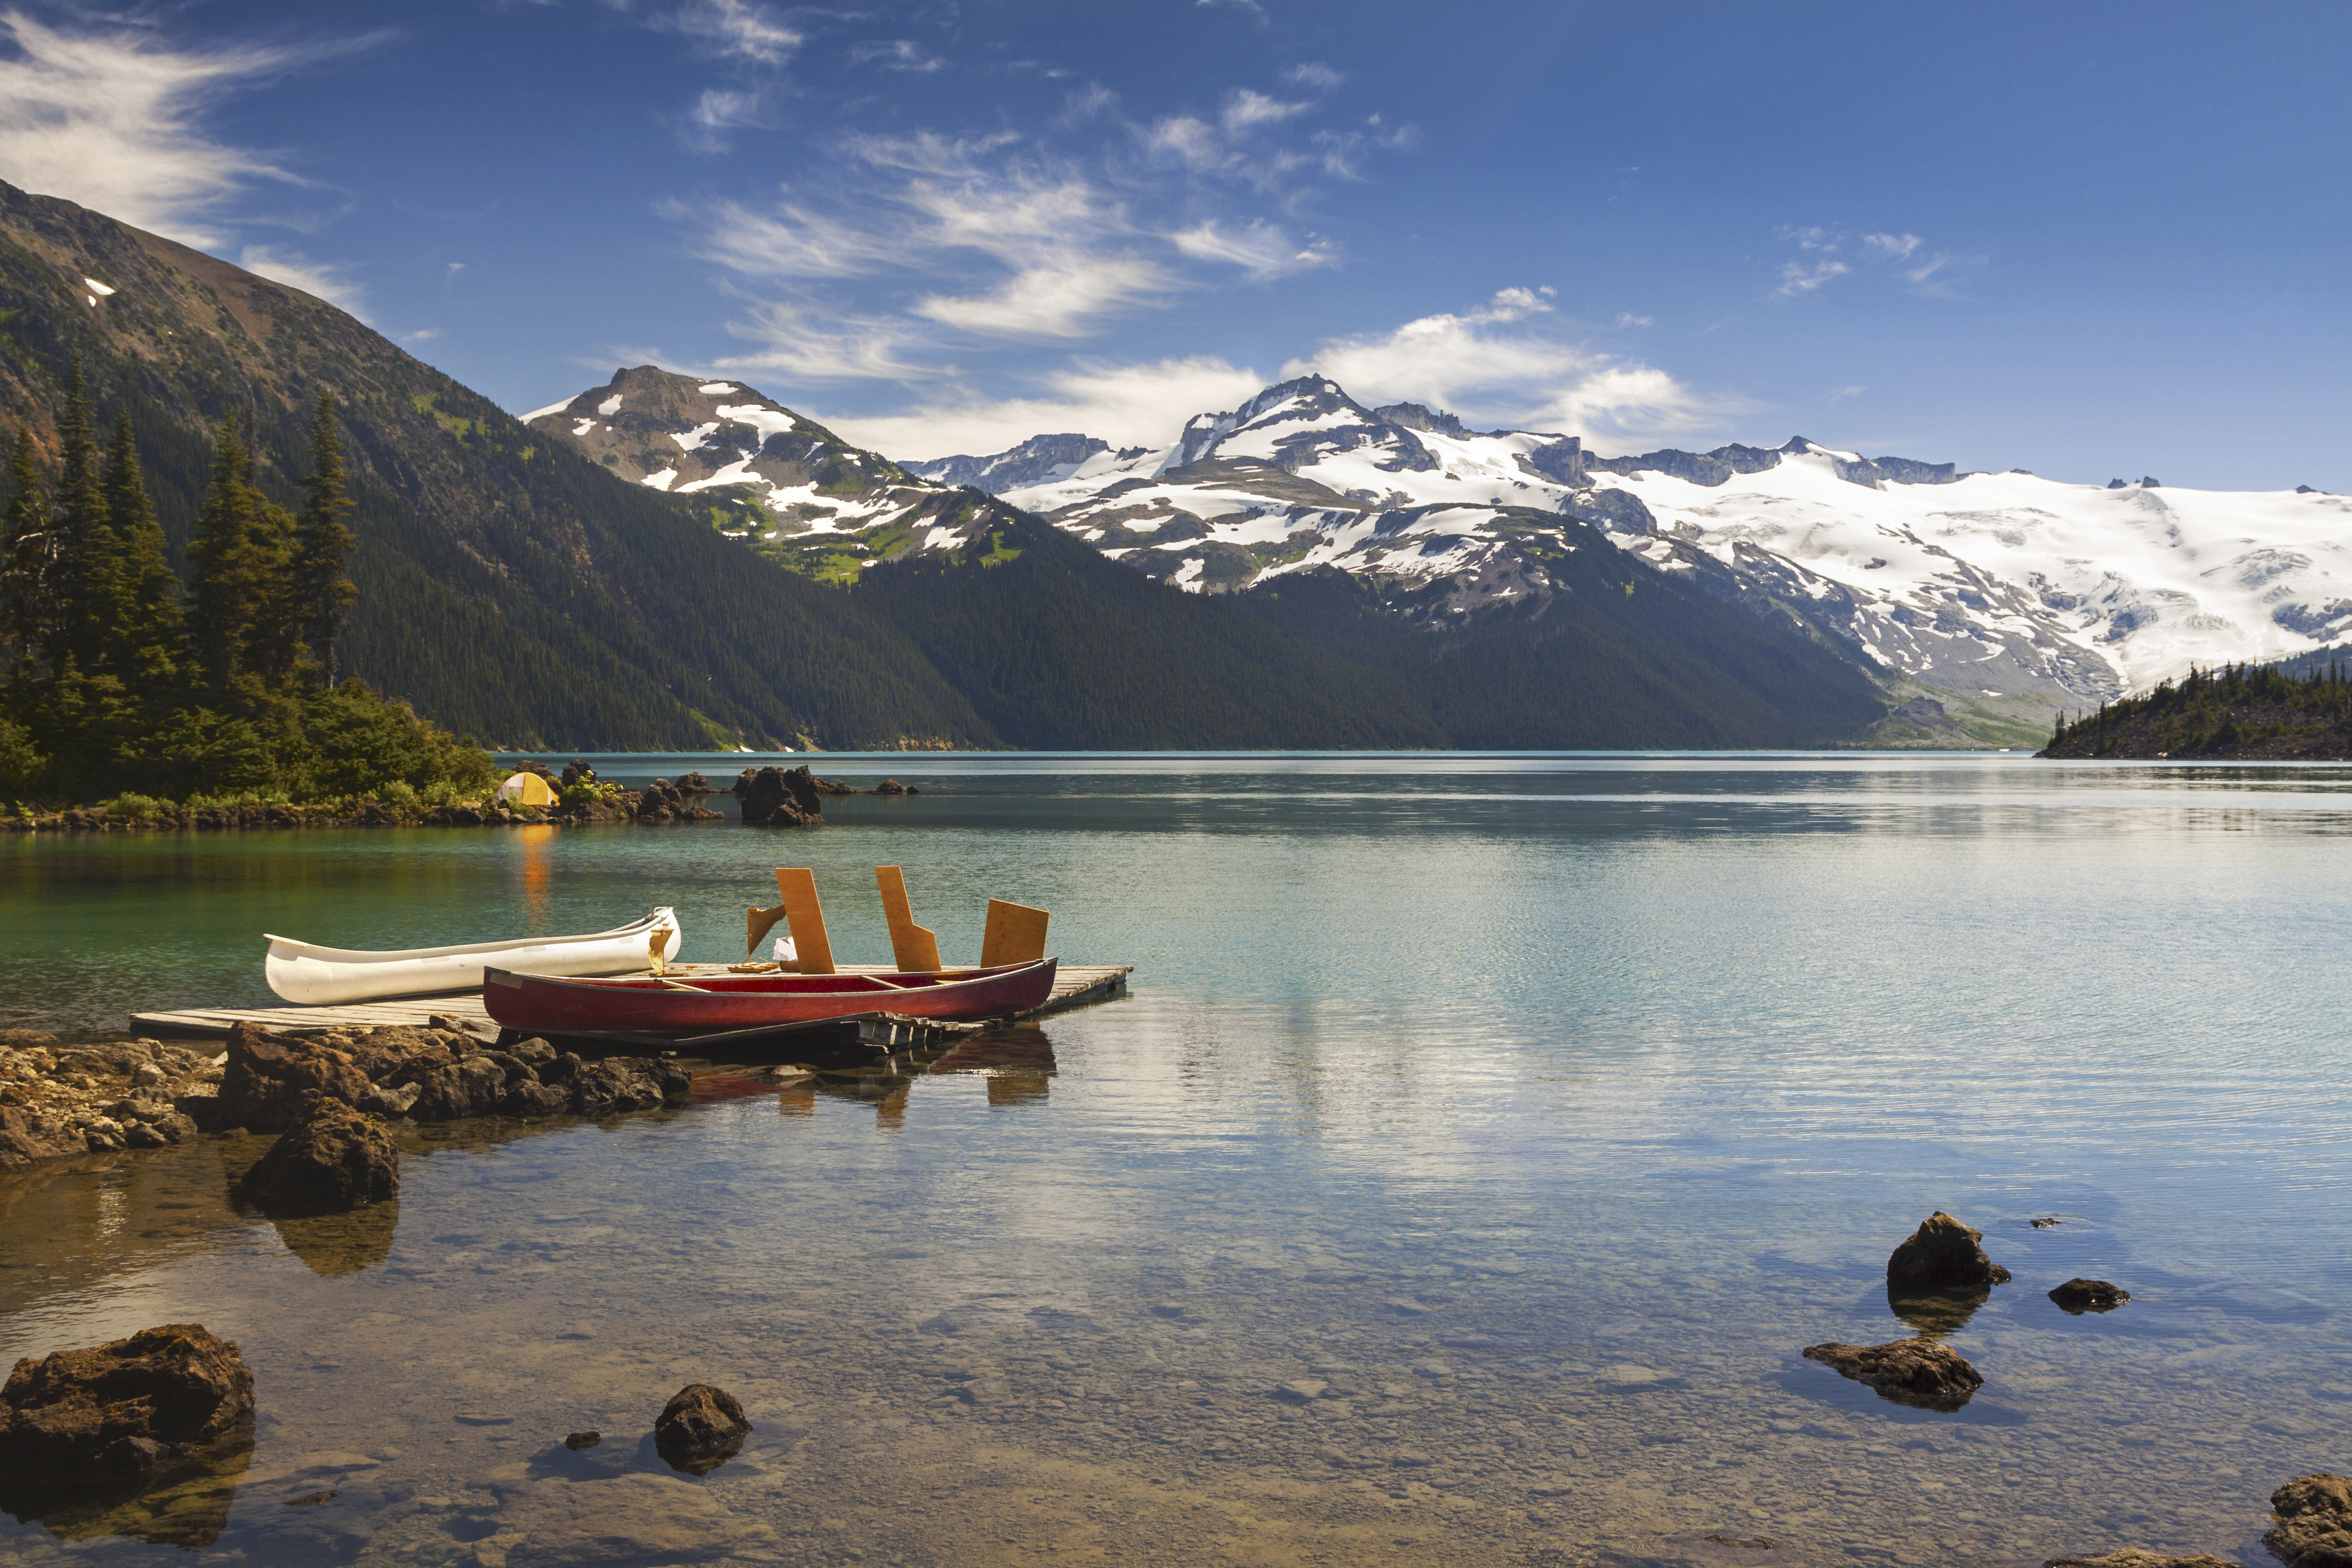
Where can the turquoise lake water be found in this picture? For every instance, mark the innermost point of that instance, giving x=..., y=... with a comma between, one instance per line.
x=1480, y=1141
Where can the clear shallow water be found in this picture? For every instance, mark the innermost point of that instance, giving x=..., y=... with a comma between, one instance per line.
x=1539, y=1109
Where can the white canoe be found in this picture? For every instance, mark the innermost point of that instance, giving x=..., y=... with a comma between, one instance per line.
x=313, y=975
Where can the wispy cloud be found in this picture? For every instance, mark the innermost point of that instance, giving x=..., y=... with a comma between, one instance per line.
x=1796, y=278
x=328, y=280
x=1492, y=362
x=898, y=55
x=1260, y=248
x=421, y=335
x=113, y=120
x=737, y=29
x=1823, y=260
x=808, y=344
x=1314, y=76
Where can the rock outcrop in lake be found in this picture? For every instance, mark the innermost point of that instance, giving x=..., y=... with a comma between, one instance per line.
x=700, y=1428
x=1908, y=1371
x=333, y=1159
x=143, y=1406
x=2132, y=1557
x=779, y=797
x=2081, y=1296
x=1942, y=1255
x=2315, y=1521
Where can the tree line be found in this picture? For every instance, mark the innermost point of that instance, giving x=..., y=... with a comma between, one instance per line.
x=119, y=677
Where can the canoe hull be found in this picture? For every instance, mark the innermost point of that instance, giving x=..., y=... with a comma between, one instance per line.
x=315, y=976
x=538, y=1003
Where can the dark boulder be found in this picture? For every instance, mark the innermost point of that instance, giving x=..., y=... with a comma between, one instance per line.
x=271, y=1078
x=335, y=1158
x=2081, y=1296
x=470, y=1086
x=1942, y=1255
x=1908, y=1371
x=779, y=797
x=137, y=1408
x=2315, y=1521
x=700, y=1428
x=693, y=783
x=890, y=786
x=577, y=772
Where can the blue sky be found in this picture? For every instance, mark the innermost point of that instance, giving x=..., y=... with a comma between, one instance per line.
x=2092, y=240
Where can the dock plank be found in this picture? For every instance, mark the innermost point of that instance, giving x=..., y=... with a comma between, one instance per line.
x=1073, y=985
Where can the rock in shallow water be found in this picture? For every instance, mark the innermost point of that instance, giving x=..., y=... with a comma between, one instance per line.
x=2081, y=1296
x=700, y=1428
x=336, y=1159
x=1942, y=1255
x=2314, y=1528
x=270, y=1077
x=152, y=1403
x=2132, y=1557
x=1908, y=1371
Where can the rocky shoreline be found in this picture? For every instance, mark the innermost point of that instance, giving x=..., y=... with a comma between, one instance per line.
x=59, y=1098
x=773, y=797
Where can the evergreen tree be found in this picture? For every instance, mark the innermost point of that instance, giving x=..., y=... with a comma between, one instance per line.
x=322, y=586
x=27, y=552
x=86, y=571
x=147, y=644
x=238, y=551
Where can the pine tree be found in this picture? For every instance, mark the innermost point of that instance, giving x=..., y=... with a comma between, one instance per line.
x=28, y=555
x=86, y=570
x=322, y=585
x=147, y=644
x=238, y=555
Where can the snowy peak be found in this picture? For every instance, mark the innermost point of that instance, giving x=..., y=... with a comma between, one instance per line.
x=762, y=473
x=680, y=434
x=1038, y=460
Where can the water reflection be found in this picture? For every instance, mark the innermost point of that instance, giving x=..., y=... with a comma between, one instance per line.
x=188, y=1509
x=536, y=846
x=1935, y=1314
x=334, y=1245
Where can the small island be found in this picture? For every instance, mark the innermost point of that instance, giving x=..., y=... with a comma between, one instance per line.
x=2301, y=712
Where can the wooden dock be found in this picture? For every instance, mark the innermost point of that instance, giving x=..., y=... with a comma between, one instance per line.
x=1073, y=985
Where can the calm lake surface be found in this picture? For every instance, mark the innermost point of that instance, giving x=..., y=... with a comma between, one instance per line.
x=1524, y=1116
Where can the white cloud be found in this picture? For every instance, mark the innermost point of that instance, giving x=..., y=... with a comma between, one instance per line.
x=803, y=345
x=1461, y=361
x=421, y=335
x=898, y=55
x=111, y=120
x=1247, y=109
x=1798, y=279
x=1894, y=246
x=1051, y=297
x=1627, y=318
x=1126, y=404
x=324, y=279
x=792, y=243
x=1260, y=248
x=1314, y=76
x=738, y=29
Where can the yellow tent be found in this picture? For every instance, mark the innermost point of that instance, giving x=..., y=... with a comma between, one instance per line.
x=527, y=789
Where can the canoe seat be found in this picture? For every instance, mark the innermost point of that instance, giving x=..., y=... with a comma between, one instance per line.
x=797, y=884
x=912, y=948
x=1015, y=934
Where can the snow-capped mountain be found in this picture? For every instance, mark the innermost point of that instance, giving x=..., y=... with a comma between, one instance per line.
x=2002, y=586
x=774, y=479
x=1036, y=461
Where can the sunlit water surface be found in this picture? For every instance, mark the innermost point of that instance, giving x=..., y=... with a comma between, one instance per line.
x=1538, y=1110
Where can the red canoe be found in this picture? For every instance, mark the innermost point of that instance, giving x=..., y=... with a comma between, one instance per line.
x=548, y=1003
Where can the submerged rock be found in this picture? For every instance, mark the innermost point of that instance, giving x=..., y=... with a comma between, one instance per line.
x=2081, y=1296
x=700, y=1428
x=2132, y=1557
x=1942, y=1255
x=144, y=1406
x=627, y=1083
x=779, y=797
x=2315, y=1527
x=1908, y=1371
x=335, y=1158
